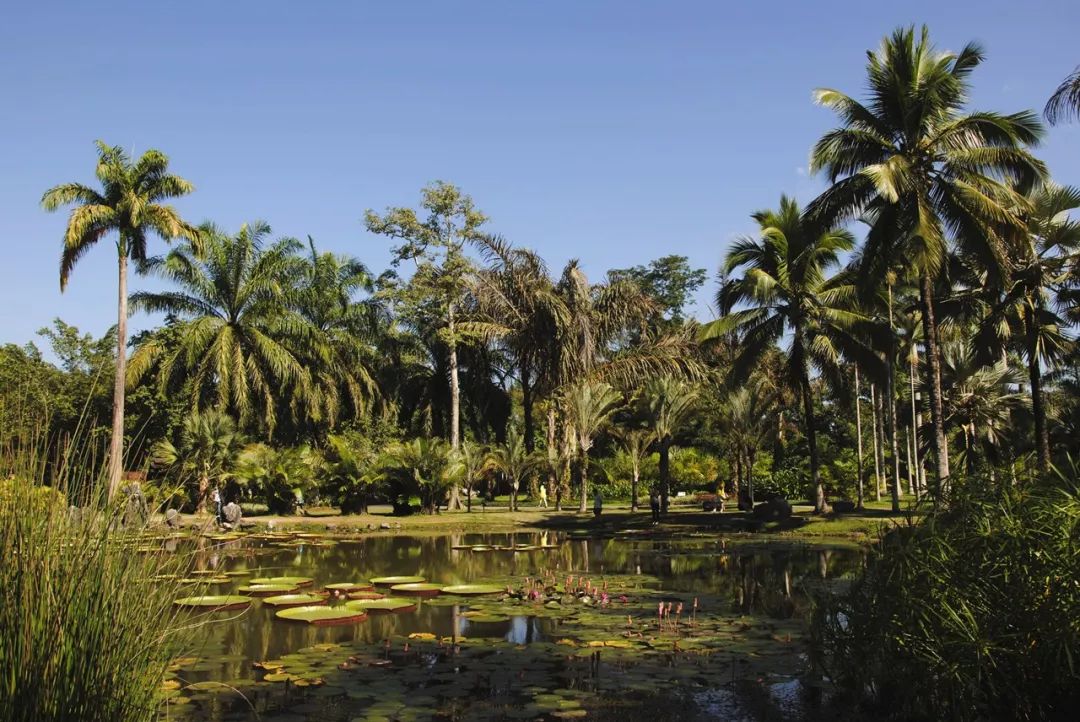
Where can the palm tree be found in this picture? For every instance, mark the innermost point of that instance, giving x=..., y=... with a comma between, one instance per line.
x=517, y=303
x=589, y=405
x=351, y=472
x=473, y=458
x=276, y=474
x=130, y=205
x=206, y=451
x=1024, y=312
x=635, y=442
x=1064, y=104
x=926, y=169
x=785, y=289
x=340, y=348
x=668, y=404
x=514, y=462
x=428, y=467
x=233, y=327
x=745, y=418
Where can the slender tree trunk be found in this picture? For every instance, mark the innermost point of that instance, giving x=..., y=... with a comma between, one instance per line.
x=937, y=406
x=665, y=475
x=890, y=410
x=751, y=455
x=858, y=435
x=116, y=444
x=455, y=390
x=879, y=459
x=820, y=504
x=528, y=426
x=1038, y=409
x=583, y=475
x=910, y=468
x=636, y=462
x=738, y=479
x=916, y=423
x=553, y=480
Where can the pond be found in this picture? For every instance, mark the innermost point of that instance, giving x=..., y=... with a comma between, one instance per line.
x=564, y=627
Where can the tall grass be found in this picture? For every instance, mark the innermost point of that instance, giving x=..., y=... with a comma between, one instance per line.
x=86, y=632
x=972, y=614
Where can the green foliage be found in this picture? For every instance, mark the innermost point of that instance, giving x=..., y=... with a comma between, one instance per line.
x=276, y=474
x=350, y=471
x=205, y=453
x=669, y=281
x=974, y=613
x=425, y=467
x=86, y=630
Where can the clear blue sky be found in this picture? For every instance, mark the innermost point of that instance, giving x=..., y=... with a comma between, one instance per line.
x=615, y=131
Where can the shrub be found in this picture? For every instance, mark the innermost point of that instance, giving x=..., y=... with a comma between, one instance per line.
x=974, y=613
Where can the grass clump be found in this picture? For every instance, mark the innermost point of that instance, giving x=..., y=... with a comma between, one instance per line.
x=86, y=633
x=971, y=614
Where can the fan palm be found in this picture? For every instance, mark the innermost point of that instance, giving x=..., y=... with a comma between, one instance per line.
x=232, y=326
x=589, y=405
x=635, y=442
x=746, y=418
x=206, y=451
x=1064, y=104
x=276, y=474
x=668, y=404
x=785, y=289
x=129, y=204
x=428, y=467
x=350, y=469
x=927, y=169
x=1024, y=312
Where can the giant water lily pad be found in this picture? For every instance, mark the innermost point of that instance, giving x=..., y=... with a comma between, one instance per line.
x=294, y=581
x=473, y=589
x=267, y=590
x=294, y=600
x=364, y=594
x=386, y=605
x=347, y=587
x=391, y=581
x=213, y=602
x=417, y=589
x=323, y=616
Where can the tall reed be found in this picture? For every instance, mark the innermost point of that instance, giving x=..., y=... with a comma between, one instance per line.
x=87, y=624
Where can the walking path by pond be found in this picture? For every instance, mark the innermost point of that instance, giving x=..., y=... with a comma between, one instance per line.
x=568, y=624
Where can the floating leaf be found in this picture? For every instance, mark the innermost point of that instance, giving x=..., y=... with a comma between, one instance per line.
x=385, y=605
x=418, y=589
x=294, y=581
x=349, y=587
x=323, y=616
x=365, y=595
x=213, y=602
x=294, y=600
x=267, y=590
x=473, y=589
x=391, y=581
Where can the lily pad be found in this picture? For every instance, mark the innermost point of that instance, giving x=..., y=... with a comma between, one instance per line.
x=215, y=602
x=365, y=595
x=349, y=587
x=267, y=590
x=386, y=605
x=294, y=600
x=391, y=581
x=473, y=589
x=323, y=616
x=294, y=581
x=418, y=589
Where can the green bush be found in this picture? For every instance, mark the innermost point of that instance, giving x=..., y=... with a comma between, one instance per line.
x=972, y=614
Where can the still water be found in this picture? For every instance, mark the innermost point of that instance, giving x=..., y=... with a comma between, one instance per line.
x=766, y=585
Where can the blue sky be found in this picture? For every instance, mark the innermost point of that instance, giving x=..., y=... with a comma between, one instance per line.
x=614, y=132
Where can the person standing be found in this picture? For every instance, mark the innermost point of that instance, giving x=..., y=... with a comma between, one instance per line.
x=654, y=505
x=543, y=497
x=216, y=497
x=598, y=503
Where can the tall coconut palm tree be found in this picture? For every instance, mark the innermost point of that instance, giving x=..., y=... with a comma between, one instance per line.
x=1064, y=104
x=783, y=290
x=929, y=170
x=589, y=405
x=1024, y=314
x=232, y=324
x=129, y=204
x=669, y=402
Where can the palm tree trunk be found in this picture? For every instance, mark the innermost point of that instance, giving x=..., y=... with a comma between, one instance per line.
x=937, y=406
x=879, y=459
x=455, y=389
x=916, y=423
x=636, y=463
x=750, y=458
x=1038, y=409
x=910, y=467
x=583, y=476
x=665, y=475
x=738, y=479
x=116, y=444
x=890, y=409
x=553, y=481
x=820, y=505
x=858, y=435
x=528, y=426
